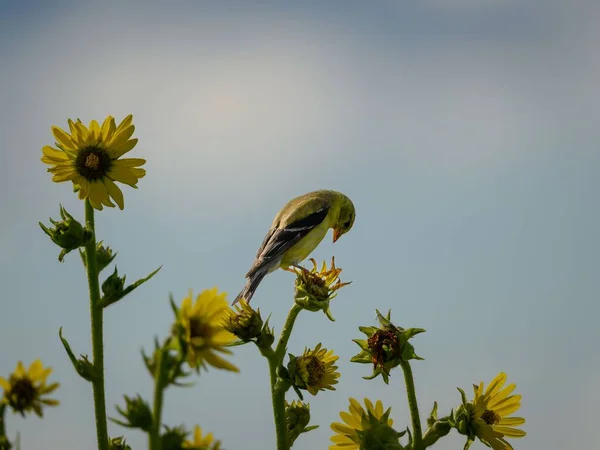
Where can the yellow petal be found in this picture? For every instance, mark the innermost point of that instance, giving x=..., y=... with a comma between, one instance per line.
x=129, y=162
x=94, y=132
x=66, y=174
x=120, y=150
x=123, y=175
x=512, y=421
x=220, y=363
x=114, y=191
x=54, y=154
x=510, y=432
x=4, y=384
x=107, y=129
x=97, y=194
x=125, y=122
x=509, y=406
x=120, y=137
x=496, y=384
x=63, y=138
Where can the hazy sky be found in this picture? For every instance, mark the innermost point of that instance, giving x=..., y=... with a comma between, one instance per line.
x=466, y=132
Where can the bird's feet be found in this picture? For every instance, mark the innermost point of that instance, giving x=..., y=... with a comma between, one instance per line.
x=295, y=267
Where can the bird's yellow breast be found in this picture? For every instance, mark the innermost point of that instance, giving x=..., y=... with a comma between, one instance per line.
x=305, y=246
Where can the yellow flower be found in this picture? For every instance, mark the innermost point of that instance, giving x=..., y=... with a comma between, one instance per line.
x=89, y=157
x=314, y=370
x=202, y=442
x=491, y=408
x=24, y=389
x=315, y=289
x=357, y=422
x=243, y=321
x=201, y=329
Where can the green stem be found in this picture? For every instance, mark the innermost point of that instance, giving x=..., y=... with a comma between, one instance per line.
x=4, y=442
x=97, y=332
x=286, y=332
x=439, y=429
x=413, y=406
x=160, y=382
x=278, y=389
x=278, y=399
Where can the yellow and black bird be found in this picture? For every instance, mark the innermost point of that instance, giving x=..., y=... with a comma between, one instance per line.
x=298, y=228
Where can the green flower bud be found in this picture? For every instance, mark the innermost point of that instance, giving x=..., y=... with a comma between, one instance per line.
x=118, y=443
x=104, y=256
x=84, y=368
x=315, y=289
x=173, y=438
x=243, y=321
x=377, y=434
x=297, y=416
x=385, y=347
x=267, y=336
x=67, y=234
x=113, y=287
x=137, y=413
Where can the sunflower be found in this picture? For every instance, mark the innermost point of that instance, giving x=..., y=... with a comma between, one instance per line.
x=486, y=416
x=200, y=442
x=315, y=370
x=490, y=413
x=357, y=423
x=89, y=157
x=200, y=330
x=24, y=390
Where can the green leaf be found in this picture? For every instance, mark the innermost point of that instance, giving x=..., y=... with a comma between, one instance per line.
x=105, y=302
x=84, y=368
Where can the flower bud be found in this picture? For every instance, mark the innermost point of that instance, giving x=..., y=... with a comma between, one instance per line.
x=385, y=347
x=137, y=413
x=173, y=438
x=243, y=321
x=113, y=287
x=118, y=443
x=297, y=416
x=315, y=289
x=104, y=256
x=67, y=234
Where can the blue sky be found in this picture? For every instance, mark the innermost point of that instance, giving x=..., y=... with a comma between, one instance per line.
x=464, y=131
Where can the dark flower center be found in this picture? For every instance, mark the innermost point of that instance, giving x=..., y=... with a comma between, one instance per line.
x=93, y=163
x=490, y=417
x=384, y=346
x=316, y=370
x=199, y=329
x=22, y=394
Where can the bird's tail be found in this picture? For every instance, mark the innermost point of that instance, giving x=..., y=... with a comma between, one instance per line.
x=251, y=286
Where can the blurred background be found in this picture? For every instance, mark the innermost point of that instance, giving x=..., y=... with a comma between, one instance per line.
x=465, y=131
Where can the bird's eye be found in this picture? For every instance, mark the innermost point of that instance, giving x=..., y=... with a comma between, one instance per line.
x=347, y=224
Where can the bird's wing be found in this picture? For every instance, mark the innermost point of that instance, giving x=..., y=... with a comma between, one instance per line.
x=279, y=240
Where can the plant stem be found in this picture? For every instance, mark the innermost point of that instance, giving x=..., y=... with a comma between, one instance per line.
x=4, y=442
x=286, y=332
x=160, y=382
x=97, y=332
x=278, y=399
x=439, y=429
x=413, y=406
x=275, y=359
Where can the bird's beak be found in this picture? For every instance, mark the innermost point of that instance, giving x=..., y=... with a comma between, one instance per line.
x=336, y=234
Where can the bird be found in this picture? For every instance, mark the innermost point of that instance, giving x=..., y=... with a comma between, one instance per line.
x=298, y=228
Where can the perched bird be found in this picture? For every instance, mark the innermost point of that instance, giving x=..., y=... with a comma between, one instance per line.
x=298, y=228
